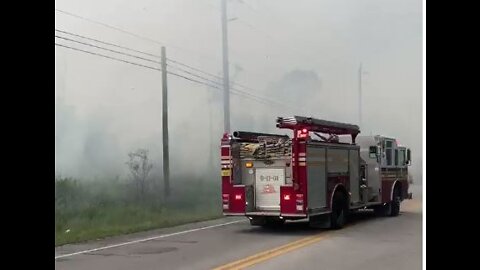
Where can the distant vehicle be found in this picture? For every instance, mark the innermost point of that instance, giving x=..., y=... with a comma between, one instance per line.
x=315, y=175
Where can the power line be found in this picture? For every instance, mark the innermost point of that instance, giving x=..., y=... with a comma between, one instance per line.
x=266, y=34
x=276, y=40
x=145, y=59
x=145, y=66
x=193, y=80
x=127, y=32
x=148, y=39
x=145, y=53
x=109, y=26
x=107, y=43
x=136, y=64
x=196, y=75
x=234, y=91
x=248, y=97
x=270, y=101
x=214, y=85
x=103, y=48
x=210, y=74
x=109, y=57
x=126, y=54
x=256, y=29
x=193, y=68
x=248, y=5
x=137, y=51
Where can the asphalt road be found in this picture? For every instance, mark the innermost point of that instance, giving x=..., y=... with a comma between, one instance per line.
x=367, y=242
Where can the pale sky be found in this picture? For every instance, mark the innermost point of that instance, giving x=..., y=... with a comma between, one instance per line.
x=106, y=108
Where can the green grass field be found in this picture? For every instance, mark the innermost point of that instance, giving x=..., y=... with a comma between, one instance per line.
x=87, y=210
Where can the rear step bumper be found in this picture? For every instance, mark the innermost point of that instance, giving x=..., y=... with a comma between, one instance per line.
x=265, y=214
x=274, y=214
x=234, y=214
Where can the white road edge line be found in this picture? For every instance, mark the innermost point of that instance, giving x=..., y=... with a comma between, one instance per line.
x=146, y=239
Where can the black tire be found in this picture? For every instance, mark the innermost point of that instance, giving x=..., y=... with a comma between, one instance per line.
x=273, y=222
x=395, y=204
x=338, y=217
x=384, y=210
x=257, y=221
x=392, y=208
x=380, y=210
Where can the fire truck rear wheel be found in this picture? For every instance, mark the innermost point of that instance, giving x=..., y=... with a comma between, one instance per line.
x=339, y=211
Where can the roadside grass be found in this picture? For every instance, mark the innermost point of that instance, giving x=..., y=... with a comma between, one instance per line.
x=86, y=210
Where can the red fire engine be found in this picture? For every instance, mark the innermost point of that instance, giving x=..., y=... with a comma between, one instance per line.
x=316, y=175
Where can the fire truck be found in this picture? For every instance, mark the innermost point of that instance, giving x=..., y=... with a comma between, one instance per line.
x=322, y=173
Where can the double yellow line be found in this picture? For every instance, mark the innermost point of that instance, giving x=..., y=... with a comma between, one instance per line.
x=268, y=254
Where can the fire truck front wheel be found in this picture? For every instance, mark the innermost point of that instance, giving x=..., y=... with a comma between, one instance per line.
x=339, y=211
x=392, y=208
x=396, y=202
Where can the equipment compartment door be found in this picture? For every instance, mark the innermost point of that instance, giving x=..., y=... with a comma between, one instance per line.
x=316, y=177
x=355, y=180
x=249, y=198
x=267, y=188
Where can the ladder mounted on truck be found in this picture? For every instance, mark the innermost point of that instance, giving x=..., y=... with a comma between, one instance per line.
x=318, y=125
x=254, y=136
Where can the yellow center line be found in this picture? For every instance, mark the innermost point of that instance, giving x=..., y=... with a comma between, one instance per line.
x=271, y=253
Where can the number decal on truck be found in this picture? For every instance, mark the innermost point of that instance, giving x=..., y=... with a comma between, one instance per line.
x=269, y=178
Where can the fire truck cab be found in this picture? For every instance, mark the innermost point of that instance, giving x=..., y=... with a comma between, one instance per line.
x=321, y=174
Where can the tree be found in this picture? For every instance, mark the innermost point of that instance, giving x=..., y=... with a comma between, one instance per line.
x=139, y=167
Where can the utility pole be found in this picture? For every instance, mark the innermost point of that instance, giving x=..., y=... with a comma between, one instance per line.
x=360, y=96
x=226, y=83
x=210, y=129
x=166, y=161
